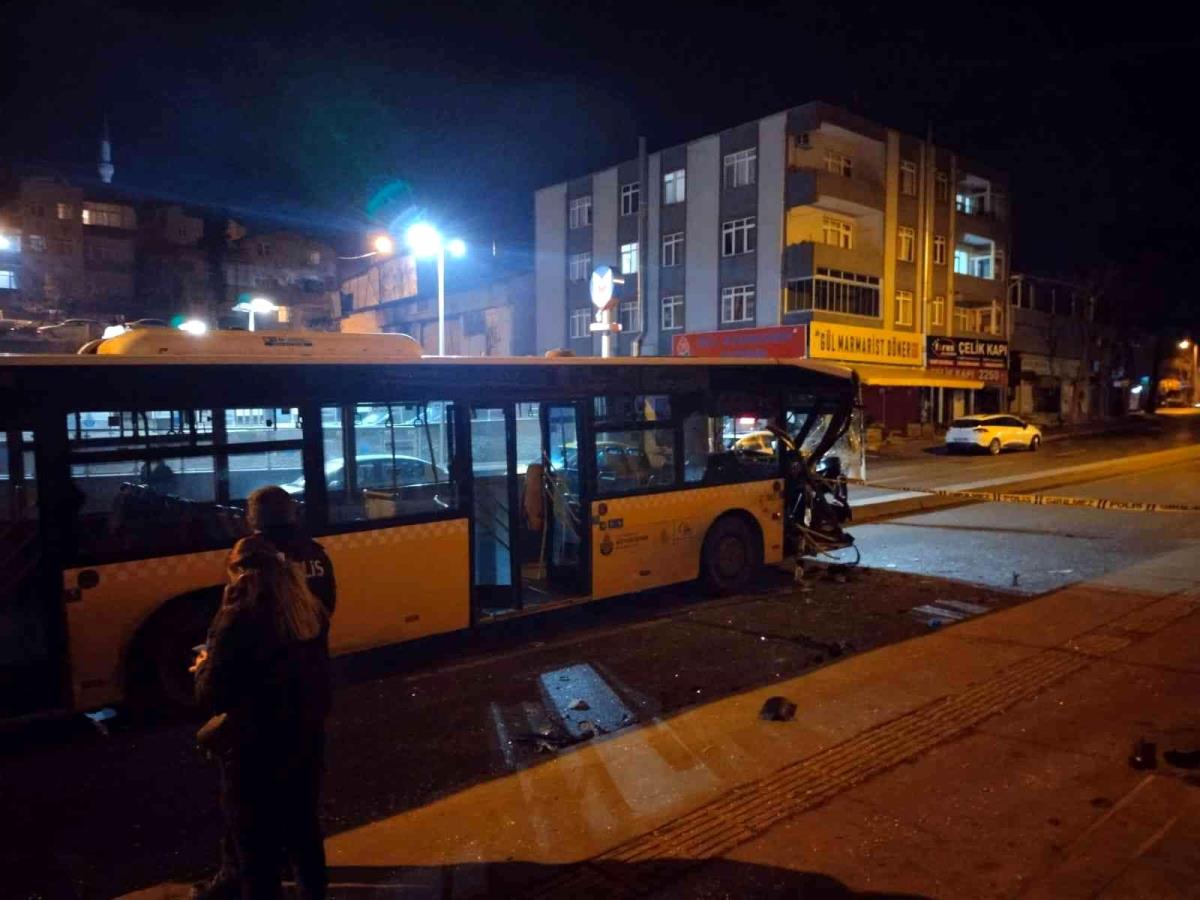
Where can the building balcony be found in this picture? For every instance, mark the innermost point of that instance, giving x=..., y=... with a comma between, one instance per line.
x=972, y=291
x=806, y=186
x=801, y=260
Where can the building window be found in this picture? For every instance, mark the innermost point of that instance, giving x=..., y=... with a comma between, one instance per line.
x=837, y=163
x=578, y=266
x=65, y=211
x=906, y=241
x=837, y=232
x=961, y=262
x=672, y=249
x=741, y=168
x=314, y=258
x=937, y=311
x=8, y=280
x=941, y=187
x=629, y=258
x=262, y=248
x=908, y=178
x=738, y=236
x=37, y=210
x=998, y=265
x=580, y=212
x=109, y=215
x=939, y=249
x=629, y=314
x=580, y=319
x=675, y=187
x=672, y=312
x=37, y=243
x=904, y=307
x=737, y=303
x=981, y=267
x=631, y=198
x=798, y=144
x=834, y=290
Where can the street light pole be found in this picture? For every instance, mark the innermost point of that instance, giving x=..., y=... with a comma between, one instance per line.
x=1195, y=347
x=441, y=276
x=425, y=242
x=1186, y=344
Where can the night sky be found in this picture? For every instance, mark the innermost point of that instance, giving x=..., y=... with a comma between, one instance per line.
x=340, y=117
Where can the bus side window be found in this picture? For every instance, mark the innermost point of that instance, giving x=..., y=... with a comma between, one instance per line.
x=400, y=466
x=724, y=448
x=157, y=482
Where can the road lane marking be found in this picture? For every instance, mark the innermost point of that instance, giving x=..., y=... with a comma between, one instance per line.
x=1040, y=499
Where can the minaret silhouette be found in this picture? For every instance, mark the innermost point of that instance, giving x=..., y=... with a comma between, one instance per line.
x=105, y=164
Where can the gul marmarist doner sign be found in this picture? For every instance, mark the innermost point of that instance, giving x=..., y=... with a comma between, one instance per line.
x=874, y=345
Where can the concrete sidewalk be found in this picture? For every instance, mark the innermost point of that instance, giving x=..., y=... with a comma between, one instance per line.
x=988, y=759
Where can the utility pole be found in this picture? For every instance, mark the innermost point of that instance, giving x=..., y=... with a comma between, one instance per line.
x=643, y=199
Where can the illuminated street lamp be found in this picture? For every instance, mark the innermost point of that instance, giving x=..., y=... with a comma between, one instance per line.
x=1186, y=344
x=255, y=305
x=381, y=245
x=425, y=241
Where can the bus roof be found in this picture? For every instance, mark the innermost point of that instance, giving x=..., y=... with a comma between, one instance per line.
x=166, y=346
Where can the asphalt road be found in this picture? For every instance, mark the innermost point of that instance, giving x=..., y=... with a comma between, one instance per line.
x=96, y=815
x=936, y=468
x=1033, y=549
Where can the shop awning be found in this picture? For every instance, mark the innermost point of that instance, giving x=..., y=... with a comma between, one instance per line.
x=911, y=376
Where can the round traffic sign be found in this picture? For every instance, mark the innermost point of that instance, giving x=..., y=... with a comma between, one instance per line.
x=601, y=287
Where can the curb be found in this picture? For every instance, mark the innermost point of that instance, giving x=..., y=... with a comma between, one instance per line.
x=889, y=506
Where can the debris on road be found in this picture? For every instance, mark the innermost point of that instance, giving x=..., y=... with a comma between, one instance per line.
x=1144, y=755
x=1182, y=759
x=579, y=704
x=99, y=717
x=778, y=709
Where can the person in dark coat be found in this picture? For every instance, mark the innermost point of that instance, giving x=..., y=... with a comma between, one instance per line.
x=266, y=667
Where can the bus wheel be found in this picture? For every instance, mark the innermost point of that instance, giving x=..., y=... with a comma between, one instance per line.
x=731, y=554
x=164, y=680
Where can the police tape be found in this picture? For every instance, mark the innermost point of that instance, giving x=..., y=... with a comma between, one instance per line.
x=1039, y=499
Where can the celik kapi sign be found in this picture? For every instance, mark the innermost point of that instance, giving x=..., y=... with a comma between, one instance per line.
x=966, y=353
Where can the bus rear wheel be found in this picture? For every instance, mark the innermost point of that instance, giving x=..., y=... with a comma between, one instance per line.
x=731, y=553
x=164, y=682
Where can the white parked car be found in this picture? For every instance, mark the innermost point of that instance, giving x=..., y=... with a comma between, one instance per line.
x=992, y=433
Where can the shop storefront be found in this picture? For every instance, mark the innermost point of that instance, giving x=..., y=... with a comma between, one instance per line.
x=981, y=360
x=900, y=392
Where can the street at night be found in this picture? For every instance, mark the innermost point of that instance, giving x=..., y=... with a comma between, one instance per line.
x=671, y=682
x=541, y=450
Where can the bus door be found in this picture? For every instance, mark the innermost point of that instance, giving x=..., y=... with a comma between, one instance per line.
x=562, y=554
x=494, y=579
x=528, y=542
x=30, y=592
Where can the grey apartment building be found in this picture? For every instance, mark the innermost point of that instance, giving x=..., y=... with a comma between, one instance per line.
x=814, y=230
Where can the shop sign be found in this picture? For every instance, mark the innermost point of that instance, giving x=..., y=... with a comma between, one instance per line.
x=967, y=353
x=977, y=358
x=850, y=343
x=781, y=342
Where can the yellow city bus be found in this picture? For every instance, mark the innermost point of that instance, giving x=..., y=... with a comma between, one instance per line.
x=448, y=492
